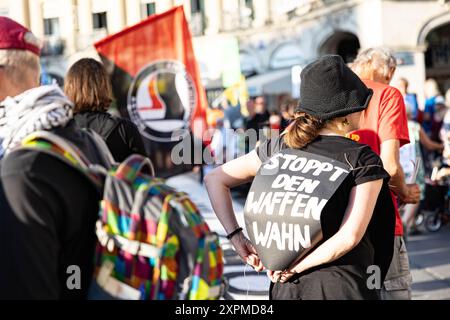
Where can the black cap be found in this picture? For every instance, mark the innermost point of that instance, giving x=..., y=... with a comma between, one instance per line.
x=329, y=89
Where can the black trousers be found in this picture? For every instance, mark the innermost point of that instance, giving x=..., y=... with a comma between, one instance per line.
x=331, y=283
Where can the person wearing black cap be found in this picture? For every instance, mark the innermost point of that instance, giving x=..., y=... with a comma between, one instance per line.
x=357, y=219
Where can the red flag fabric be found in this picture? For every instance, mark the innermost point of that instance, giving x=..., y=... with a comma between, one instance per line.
x=156, y=79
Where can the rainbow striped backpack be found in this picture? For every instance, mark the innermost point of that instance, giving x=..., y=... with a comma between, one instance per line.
x=153, y=244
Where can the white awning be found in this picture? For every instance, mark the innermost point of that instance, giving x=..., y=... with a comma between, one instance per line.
x=273, y=82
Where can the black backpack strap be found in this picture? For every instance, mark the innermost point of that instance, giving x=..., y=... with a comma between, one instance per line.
x=102, y=148
x=111, y=124
x=64, y=150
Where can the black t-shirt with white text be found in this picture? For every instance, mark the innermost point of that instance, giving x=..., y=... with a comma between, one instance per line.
x=376, y=246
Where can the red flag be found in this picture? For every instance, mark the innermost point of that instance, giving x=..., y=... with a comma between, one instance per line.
x=155, y=76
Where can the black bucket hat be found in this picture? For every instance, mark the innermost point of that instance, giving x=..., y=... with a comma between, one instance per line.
x=329, y=89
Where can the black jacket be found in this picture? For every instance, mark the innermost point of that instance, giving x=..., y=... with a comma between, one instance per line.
x=121, y=135
x=257, y=122
x=48, y=211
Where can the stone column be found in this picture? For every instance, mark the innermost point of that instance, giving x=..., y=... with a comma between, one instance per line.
x=19, y=11
x=116, y=16
x=36, y=19
x=212, y=15
x=68, y=25
x=261, y=11
x=85, y=23
x=133, y=11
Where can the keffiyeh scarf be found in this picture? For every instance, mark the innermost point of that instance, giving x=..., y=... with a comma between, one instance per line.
x=41, y=108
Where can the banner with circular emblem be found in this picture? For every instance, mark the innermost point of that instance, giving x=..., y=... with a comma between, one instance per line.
x=161, y=100
x=156, y=83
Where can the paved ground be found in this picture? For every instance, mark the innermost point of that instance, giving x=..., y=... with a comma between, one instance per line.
x=429, y=254
x=429, y=258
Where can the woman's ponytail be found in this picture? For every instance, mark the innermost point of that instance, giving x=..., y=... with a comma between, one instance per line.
x=303, y=130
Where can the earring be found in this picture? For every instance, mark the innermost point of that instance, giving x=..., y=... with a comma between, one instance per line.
x=345, y=122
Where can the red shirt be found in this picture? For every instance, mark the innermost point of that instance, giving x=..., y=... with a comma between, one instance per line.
x=384, y=119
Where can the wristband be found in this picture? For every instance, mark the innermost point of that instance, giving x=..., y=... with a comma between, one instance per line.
x=229, y=236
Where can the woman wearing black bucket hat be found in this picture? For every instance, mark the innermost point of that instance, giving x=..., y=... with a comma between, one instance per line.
x=353, y=250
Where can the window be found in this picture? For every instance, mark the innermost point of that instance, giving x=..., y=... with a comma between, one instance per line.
x=51, y=26
x=196, y=6
x=99, y=20
x=148, y=9
x=4, y=11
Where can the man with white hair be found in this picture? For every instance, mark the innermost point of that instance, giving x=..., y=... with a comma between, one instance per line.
x=384, y=127
x=47, y=208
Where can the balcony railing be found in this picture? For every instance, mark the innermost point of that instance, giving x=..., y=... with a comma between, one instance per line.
x=243, y=17
x=85, y=41
x=235, y=21
x=53, y=46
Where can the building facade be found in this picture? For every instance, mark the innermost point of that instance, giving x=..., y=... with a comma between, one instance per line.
x=273, y=35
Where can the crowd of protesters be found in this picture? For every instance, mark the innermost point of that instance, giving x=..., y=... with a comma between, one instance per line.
x=428, y=128
x=262, y=121
x=47, y=223
x=426, y=158
x=409, y=140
